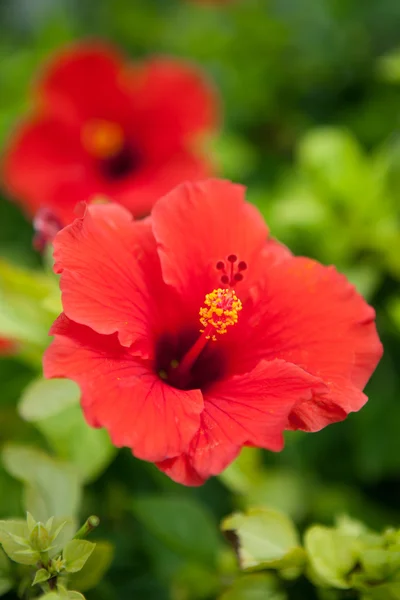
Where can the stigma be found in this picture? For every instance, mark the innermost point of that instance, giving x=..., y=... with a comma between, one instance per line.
x=103, y=139
x=221, y=310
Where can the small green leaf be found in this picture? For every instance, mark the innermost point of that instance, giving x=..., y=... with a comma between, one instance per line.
x=75, y=596
x=41, y=576
x=30, y=522
x=264, y=538
x=76, y=553
x=94, y=568
x=24, y=543
x=58, y=530
x=332, y=555
x=12, y=533
x=177, y=522
x=259, y=586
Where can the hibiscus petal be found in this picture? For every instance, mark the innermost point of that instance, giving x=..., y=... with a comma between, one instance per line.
x=180, y=470
x=224, y=223
x=248, y=409
x=167, y=124
x=122, y=394
x=312, y=316
x=150, y=182
x=85, y=81
x=43, y=154
x=110, y=274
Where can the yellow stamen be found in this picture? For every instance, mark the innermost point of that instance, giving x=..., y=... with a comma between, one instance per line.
x=102, y=139
x=220, y=311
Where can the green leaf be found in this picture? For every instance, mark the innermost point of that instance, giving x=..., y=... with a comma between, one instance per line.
x=240, y=475
x=47, y=397
x=56, y=529
x=195, y=580
x=14, y=538
x=259, y=586
x=388, y=66
x=387, y=591
x=76, y=553
x=53, y=406
x=380, y=564
x=52, y=487
x=75, y=596
x=264, y=538
x=4, y=562
x=87, y=448
x=177, y=522
x=6, y=581
x=30, y=521
x=6, y=585
x=23, y=316
x=41, y=576
x=332, y=555
x=95, y=567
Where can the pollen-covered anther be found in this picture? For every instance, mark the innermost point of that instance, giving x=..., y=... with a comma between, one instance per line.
x=221, y=310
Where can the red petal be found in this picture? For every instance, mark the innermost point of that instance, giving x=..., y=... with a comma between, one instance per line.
x=175, y=102
x=311, y=316
x=85, y=81
x=180, y=470
x=43, y=155
x=249, y=409
x=150, y=182
x=225, y=224
x=110, y=274
x=122, y=394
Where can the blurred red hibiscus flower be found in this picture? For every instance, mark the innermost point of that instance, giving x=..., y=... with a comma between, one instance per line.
x=103, y=127
x=7, y=346
x=192, y=333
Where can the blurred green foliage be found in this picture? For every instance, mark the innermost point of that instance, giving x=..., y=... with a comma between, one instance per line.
x=310, y=98
x=347, y=556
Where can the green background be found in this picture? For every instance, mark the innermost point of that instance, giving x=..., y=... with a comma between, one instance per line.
x=310, y=96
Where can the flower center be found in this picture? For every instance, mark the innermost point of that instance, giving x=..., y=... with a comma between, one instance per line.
x=103, y=139
x=220, y=310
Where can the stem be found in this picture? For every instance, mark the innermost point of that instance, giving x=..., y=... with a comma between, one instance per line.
x=90, y=524
x=52, y=583
x=45, y=559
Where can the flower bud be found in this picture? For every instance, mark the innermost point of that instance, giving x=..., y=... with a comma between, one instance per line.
x=40, y=538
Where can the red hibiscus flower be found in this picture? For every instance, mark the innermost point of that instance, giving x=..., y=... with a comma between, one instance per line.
x=104, y=127
x=192, y=333
x=6, y=347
